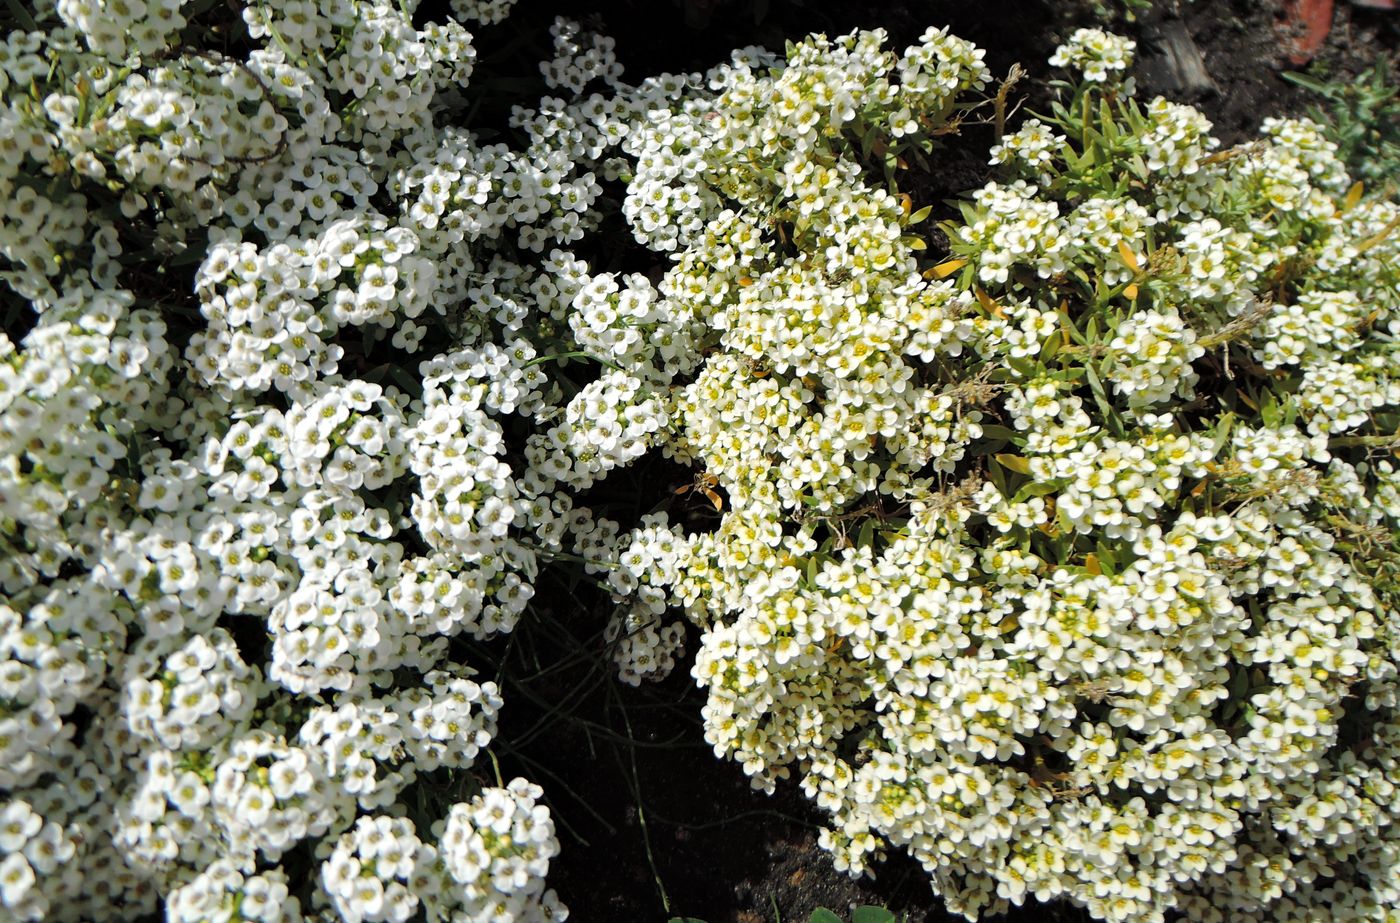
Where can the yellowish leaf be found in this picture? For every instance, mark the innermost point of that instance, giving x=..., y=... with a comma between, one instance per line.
x=1353, y=196
x=986, y=301
x=1129, y=258
x=1013, y=462
x=946, y=268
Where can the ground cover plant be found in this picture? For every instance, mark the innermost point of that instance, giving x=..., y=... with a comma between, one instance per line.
x=1070, y=572
x=1063, y=561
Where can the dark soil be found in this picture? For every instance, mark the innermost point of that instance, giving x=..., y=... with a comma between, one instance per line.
x=652, y=824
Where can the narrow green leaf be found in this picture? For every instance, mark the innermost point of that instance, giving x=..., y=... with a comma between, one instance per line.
x=994, y=431
x=1270, y=411
x=1063, y=521
x=822, y=915
x=866, y=537
x=998, y=478
x=21, y=16
x=1239, y=685
x=1100, y=396
x=1222, y=432
x=1110, y=128
x=1036, y=489
x=1108, y=560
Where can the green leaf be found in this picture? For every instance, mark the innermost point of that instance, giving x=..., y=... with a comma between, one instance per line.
x=1101, y=398
x=822, y=915
x=1106, y=117
x=920, y=215
x=868, y=913
x=1270, y=411
x=1108, y=559
x=994, y=431
x=21, y=16
x=1310, y=83
x=1023, y=367
x=1222, y=432
x=866, y=537
x=1086, y=161
x=1139, y=167
x=1036, y=489
x=1239, y=685
x=1063, y=521
x=998, y=479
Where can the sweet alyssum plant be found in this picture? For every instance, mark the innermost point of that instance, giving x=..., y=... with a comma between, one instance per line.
x=268, y=312
x=1067, y=563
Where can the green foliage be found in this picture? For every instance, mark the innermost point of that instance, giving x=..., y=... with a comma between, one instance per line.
x=1362, y=116
x=1008, y=578
x=1108, y=12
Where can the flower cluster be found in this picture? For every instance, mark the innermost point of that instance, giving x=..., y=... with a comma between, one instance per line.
x=646, y=559
x=1060, y=563
x=491, y=859
x=366, y=874
x=239, y=528
x=606, y=425
x=1095, y=55
x=1065, y=562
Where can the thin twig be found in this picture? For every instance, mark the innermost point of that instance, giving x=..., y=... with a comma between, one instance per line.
x=1013, y=77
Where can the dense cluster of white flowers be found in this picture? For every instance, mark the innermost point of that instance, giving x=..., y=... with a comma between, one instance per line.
x=646, y=560
x=1067, y=564
x=234, y=547
x=1096, y=55
x=488, y=861
x=492, y=857
x=1061, y=566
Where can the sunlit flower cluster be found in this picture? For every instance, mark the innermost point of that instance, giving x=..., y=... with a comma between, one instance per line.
x=1095, y=55
x=241, y=527
x=1061, y=565
x=1064, y=561
x=491, y=858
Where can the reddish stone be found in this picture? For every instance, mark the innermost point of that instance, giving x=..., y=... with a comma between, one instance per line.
x=1308, y=21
